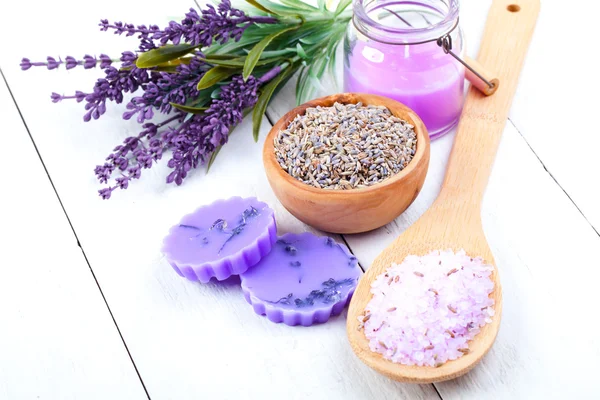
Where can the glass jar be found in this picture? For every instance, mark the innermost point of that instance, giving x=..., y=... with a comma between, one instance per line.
x=391, y=49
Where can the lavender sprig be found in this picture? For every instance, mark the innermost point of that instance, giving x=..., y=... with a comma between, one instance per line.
x=197, y=139
x=136, y=153
x=69, y=62
x=169, y=69
x=220, y=24
x=167, y=88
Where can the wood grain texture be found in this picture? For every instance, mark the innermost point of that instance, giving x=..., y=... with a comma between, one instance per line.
x=57, y=339
x=453, y=221
x=356, y=210
x=485, y=73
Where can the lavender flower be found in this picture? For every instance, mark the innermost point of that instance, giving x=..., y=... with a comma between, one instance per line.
x=136, y=153
x=69, y=62
x=168, y=88
x=144, y=33
x=190, y=138
x=220, y=24
x=197, y=139
x=117, y=82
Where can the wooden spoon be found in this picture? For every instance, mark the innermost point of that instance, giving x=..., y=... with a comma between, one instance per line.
x=454, y=220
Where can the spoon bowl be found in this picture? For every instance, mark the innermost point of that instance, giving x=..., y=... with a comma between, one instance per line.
x=454, y=220
x=435, y=230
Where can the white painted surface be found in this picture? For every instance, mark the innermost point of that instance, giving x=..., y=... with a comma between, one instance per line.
x=57, y=339
x=203, y=341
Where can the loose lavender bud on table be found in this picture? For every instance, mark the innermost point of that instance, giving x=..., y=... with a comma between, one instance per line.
x=425, y=310
x=304, y=280
x=221, y=239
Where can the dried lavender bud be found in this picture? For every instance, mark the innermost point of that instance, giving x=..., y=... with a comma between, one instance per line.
x=345, y=146
x=291, y=250
x=219, y=225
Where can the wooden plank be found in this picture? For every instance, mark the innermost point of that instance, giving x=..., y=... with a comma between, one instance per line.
x=536, y=234
x=188, y=340
x=57, y=340
x=554, y=124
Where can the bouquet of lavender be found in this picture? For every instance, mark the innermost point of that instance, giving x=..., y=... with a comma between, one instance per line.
x=206, y=73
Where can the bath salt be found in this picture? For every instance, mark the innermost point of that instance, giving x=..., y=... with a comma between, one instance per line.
x=425, y=310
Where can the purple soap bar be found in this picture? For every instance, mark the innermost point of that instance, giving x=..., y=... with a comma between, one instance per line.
x=221, y=239
x=304, y=280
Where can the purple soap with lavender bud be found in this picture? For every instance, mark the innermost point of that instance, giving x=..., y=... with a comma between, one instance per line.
x=304, y=280
x=221, y=239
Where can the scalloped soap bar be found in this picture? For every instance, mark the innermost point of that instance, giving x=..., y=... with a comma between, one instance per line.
x=304, y=280
x=221, y=239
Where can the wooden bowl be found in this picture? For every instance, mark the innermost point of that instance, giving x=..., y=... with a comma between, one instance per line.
x=353, y=210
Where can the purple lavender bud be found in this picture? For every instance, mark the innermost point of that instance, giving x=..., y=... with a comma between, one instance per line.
x=89, y=61
x=105, y=193
x=128, y=56
x=103, y=25
x=79, y=96
x=135, y=172
x=118, y=28
x=25, y=64
x=55, y=97
x=52, y=63
x=122, y=163
x=105, y=61
x=70, y=62
x=130, y=29
x=171, y=177
x=122, y=182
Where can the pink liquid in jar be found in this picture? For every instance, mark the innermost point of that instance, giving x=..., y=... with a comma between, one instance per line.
x=421, y=77
x=391, y=50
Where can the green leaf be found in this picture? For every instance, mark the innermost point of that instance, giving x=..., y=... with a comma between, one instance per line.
x=202, y=99
x=322, y=5
x=162, y=55
x=215, y=94
x=263, y=100
x=275, y=8
x=189, y=109
x=300, y=51
x=277, y=53
x=318, y=37
x=235, y=62
x=215, y=75
x=240, y=61
x=213, y=156
x=342, y=6
x=254, y=55
x=260, y=6
x=301, y=85
x=223, y=56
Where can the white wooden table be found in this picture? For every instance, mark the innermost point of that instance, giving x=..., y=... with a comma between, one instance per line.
x=89, y=309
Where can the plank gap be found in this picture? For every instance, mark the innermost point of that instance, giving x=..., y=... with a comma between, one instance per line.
x=554, y=179
x=73, y=230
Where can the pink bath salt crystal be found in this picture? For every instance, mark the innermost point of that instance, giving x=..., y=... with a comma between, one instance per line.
x=425, y=310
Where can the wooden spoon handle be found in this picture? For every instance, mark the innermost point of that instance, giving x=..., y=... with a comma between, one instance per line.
x=508, y=31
